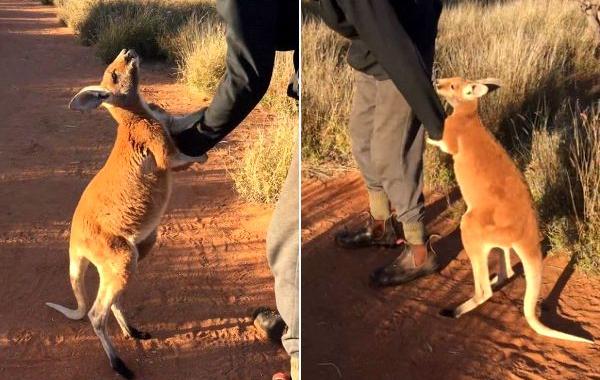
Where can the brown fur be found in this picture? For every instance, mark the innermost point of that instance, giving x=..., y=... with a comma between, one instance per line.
x=500, y=212
x=115, y=221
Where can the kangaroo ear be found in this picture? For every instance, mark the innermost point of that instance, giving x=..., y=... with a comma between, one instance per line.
x=89, y=97
x=491, y=83
x=474, y=90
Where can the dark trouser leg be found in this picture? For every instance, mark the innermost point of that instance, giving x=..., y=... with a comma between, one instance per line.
x=397, y=148
x=361, y=126
x=282, y=254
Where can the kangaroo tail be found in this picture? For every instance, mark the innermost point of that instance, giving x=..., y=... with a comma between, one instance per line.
x=532, y=267
x=77, y=268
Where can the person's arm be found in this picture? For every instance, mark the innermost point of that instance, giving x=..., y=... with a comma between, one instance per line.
x=333, y=16
x=251, y=29
x=379, y=28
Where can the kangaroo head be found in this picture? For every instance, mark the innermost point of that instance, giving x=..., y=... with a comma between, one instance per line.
x=118, y=88
x=458, y=91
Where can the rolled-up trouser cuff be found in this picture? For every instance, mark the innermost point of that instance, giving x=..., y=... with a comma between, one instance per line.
x=414, y=233
x=379, y=205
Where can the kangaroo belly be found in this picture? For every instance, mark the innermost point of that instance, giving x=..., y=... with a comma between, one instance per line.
x=127, y=199
x=497, y=198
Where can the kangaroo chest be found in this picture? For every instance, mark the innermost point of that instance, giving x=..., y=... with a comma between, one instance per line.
x=130, y=193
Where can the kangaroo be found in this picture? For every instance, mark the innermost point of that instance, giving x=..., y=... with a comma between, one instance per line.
x=115, y=221
x=500, y=211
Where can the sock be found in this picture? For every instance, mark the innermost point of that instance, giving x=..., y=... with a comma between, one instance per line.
x=379, y=205
x=414, y=233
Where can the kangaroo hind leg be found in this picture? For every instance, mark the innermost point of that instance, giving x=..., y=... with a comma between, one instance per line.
x=478, y=255
x=114, y=277
x=505, y=270
x=128, y=330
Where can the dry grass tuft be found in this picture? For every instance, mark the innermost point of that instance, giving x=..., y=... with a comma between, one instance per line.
x=200, y=49
x=585, y=158
x=327, y=88
x=142, y=25
x=266, y=161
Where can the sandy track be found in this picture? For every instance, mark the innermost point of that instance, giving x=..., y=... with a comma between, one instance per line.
x=396, y=333
x=193, y=293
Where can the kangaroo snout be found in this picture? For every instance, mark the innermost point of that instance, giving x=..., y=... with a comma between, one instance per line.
x=129, y=55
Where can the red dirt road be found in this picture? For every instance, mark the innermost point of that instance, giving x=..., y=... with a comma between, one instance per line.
x=352, y=331
x=194, y=292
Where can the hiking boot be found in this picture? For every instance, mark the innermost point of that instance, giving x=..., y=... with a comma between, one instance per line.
x=404, y=269
x=269, y=323
x=383, y=233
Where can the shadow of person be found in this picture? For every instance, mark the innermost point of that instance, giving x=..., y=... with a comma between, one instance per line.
x=447, y=248
x=442, y=204
x=549, y=306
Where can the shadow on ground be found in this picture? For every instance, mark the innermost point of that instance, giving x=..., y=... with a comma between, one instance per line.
x=353, y=331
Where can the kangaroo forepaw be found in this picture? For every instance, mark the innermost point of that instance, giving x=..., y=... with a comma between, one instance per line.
x=448, y=313
x=120, y=367
x=137, y=334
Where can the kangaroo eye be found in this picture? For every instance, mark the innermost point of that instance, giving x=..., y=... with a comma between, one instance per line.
x=115, y=77
x=452, y=87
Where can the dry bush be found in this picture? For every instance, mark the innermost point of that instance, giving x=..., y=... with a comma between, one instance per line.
x=199, y=48
x=585, y=158
x=327, y=88
x=276, y=99
x=526, y=44
x=266, y=161
x=142, y=25
x=141, y=33
x=437, y=172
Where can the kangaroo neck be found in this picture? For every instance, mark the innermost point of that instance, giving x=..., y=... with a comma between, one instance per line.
x=466, y=110
x=124, y=114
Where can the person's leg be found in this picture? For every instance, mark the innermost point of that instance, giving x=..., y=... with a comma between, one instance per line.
x=397, y=148
x=381, y=227
x=282, y=254
x=362, y=117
